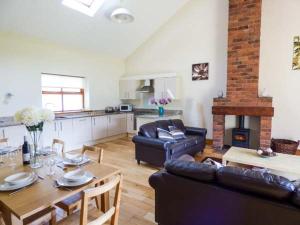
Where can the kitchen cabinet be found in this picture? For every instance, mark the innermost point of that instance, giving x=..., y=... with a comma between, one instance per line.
x=99, y=127
x=15, y=134
x=116, y=124
x=166, y=87
x=128, y=89
x=82, y=130
x=130, y=123
x=60, y=129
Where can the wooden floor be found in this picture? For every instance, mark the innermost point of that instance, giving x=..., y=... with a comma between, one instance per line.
x=137, y=200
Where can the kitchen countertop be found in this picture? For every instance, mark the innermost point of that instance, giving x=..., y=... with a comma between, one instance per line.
x=139, y=113
x=147, y=116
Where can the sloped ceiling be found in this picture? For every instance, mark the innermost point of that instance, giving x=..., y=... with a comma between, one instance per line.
x=51, y=21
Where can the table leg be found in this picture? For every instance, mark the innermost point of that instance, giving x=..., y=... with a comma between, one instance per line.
x=6, y=215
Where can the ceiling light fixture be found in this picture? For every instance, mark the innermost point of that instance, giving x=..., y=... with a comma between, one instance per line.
x=88, y=7
x=122, y=15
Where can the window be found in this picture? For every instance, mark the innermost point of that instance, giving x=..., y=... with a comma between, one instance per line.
x=88, y=7
x=62, y=93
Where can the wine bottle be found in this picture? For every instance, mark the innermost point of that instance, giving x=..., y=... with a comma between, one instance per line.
x=26, y=152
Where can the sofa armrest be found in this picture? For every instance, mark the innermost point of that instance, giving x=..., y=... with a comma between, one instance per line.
x=153, y=142
x=196, y=131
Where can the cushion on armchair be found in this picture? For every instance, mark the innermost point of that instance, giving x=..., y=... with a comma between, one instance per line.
x=165, y=135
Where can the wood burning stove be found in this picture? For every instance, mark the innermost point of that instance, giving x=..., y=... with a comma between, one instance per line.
x=241, y=135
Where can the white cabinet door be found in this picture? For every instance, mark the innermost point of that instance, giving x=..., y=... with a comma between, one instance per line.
x=159, y=88
x=123, y=89
x=167, y=87
x=99, y=127
x=128, y=89
x=116, y=124
x=171, y=88
x=130, y=123
x=82, y=130
x=15, y=135
x=65, y=133
x=50, y=131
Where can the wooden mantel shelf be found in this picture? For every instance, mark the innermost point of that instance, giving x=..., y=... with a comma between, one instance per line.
x=243, y=111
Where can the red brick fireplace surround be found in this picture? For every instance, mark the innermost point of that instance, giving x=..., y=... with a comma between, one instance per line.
x=243, y=73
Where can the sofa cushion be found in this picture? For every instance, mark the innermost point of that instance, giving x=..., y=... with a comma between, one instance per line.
x=256, y=182
x=149, y=130
x=179, y=124
x=176, y=133
x=163, y=124
x=165, y=135
x=193, y=170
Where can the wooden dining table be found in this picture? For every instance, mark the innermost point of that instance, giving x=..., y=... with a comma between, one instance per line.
x=43, y=194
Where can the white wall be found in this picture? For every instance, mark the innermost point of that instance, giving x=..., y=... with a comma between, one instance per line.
x=22, y=60
x=197, y=33
x=280, y=23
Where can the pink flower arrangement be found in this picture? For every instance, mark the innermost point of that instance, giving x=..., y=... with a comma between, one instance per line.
x=161, y=101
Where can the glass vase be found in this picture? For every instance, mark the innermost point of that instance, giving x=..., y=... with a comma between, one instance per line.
x=161, y=111
x=34, y=159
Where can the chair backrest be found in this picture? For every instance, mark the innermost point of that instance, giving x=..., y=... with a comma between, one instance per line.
x=113, y=212
x=94, y=149
x=60, y=143
x=3, y=141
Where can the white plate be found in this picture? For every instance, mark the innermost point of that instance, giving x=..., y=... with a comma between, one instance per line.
x=69, y=162
x=18, y=178
x=65, y=183
x=7, y=149
x=10, y=187
x=75, y=175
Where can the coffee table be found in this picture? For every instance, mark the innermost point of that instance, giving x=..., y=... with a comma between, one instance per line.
x=282, y=164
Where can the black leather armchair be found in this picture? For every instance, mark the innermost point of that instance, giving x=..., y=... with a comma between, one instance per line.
x=150, y=149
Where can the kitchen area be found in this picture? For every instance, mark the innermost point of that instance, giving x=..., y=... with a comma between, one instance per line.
x=96, y=126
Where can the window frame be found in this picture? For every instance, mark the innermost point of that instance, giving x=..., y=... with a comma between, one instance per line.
x=62, y=93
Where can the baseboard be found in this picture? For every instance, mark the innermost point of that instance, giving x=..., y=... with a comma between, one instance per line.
x=107, y=139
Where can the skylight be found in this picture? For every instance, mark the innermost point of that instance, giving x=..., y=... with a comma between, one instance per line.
x=88, y=7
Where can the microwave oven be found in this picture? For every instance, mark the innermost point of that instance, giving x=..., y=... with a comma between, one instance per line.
x=126, y=108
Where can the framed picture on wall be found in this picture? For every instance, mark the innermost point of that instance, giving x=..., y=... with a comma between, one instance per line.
x=296, y=53
x=200, y=71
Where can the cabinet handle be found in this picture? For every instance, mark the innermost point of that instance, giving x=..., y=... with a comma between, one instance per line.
x=3, y=133
x=95, y=121
x=55, y=128
x=61, y=127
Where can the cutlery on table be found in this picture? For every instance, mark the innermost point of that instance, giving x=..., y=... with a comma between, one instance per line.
x=56, y=185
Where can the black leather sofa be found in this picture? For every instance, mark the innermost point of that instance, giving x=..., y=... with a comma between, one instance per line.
x=191, y=193
x=150, y=149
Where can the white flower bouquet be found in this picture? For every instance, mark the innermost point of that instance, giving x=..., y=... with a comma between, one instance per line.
x=33, y=119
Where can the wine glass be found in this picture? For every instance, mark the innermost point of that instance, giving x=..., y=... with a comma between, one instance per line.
x=50, y=163
x=12, y=158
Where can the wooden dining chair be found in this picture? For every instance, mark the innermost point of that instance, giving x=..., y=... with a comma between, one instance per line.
x=94, y=216
x=94, y=149
x=59, y=143
x=72, y=203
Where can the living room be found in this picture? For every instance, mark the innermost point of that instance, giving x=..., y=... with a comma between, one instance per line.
x=145, y=98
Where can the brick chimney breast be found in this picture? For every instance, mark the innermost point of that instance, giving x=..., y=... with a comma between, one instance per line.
x=243, y=71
